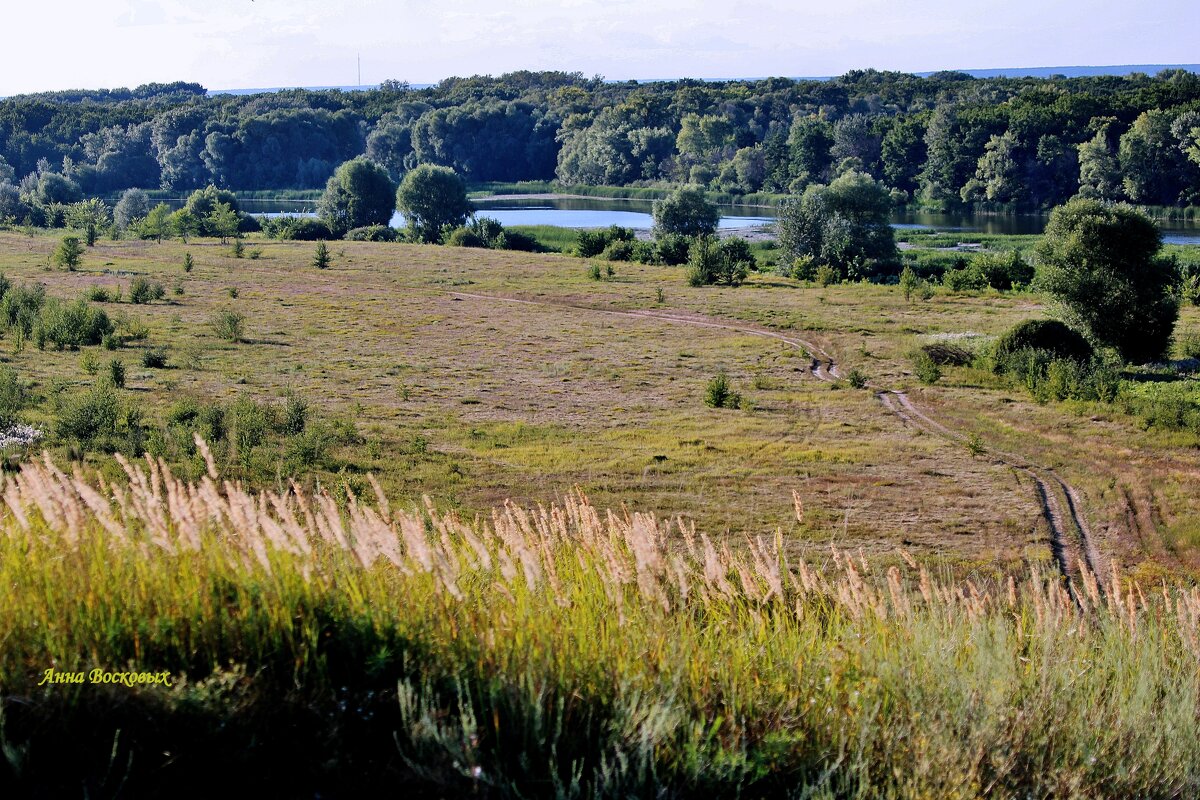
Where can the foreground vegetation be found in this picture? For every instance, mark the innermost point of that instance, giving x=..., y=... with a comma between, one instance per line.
x=554, y=652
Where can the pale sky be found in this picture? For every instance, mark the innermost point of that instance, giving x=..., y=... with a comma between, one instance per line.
x=223, y=44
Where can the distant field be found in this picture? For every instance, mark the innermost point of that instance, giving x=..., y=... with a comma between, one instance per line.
x=459, y=394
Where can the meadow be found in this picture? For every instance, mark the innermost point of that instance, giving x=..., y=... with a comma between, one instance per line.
x=426, y=374
x=499, y=543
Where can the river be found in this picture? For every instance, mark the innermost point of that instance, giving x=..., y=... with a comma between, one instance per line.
x=600, y=213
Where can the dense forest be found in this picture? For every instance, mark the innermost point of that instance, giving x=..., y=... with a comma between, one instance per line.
x=943, y=140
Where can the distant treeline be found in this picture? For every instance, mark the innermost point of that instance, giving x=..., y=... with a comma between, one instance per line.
x=941, y=140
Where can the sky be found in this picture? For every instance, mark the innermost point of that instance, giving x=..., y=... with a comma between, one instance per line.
x=230, y=44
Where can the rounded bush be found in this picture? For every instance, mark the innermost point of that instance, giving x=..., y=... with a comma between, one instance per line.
x=372, y=233
x=618, y=250
x=1049, y=335
x=464, y=237
x=307, y=229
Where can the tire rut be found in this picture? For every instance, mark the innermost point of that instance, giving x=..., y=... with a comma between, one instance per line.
x=1073, y=552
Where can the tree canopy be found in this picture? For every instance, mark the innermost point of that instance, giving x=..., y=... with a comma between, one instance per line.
x=358, y=194
x=1018, y=142
x=432, y=198
x=1101, y=263
x=686, y=212
x=843, y=226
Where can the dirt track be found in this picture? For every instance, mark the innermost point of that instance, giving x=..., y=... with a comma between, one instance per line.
x=1072, y=544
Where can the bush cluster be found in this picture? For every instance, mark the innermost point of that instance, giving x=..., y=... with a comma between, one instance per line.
x=484, y=232
x=723, y=261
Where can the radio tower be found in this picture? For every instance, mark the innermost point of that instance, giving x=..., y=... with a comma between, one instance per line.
x=360, y=70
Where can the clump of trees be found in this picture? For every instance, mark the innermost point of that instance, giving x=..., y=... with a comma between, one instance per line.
x=1102, y=263
x=843, y=226
x=945, y=139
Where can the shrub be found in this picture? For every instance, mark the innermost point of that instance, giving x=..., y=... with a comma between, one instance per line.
x=1048, y=335
x=97, y=294
x=154, y=358
x=644, y=253
x=618, y=250
x=294, y=415
x=69, y=252
x=90, y=416
x=857, y=378
x=593, y=243
x=463, y=237
x=715, y=262
x=594, y=272
x=519, y=241
x=968, y=279
x=72, y=325
x=301, y=229
x=229, y=325
x=116, y=372
x=142, y=291
x=321, y=258
x=12, y=396
x=188, y=263
x=927, y=370
x=1189, y=345
x=372, y=233
x=1003, y=271
x=673, y=248
x=719, y=393
x=826, y=276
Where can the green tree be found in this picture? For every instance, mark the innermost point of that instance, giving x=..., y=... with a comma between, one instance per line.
x=903, y=152
x=998, y=176
x=685, y=211
x=1099, y=169
x=89, y=215
x=358, y=194
x=69, y=252
x=843, y=226
x=432, y=198
x=1102, y=264
x=809, y=142
x=321, y=259
x=1154, y=167
x=134, y=205
x=203, y=202
x=1187, y=130
x=222, y=222
x=157, y=224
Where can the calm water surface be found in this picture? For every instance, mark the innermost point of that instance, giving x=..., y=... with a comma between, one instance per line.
x=600, y=213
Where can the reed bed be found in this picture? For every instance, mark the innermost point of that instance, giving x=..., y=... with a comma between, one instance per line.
x=557, y=651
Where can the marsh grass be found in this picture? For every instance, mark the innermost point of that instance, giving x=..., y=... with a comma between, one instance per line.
x=557, y=651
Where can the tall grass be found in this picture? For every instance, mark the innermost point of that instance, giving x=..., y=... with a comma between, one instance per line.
x=558, y=651
x=550, y=237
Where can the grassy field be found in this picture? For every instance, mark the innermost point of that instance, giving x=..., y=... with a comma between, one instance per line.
x=450, y=390
x=522, y=556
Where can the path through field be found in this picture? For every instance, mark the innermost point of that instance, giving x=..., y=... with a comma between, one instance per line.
x=1071, y=542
